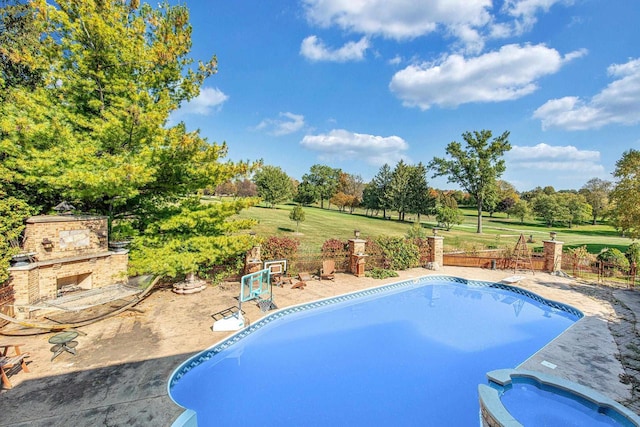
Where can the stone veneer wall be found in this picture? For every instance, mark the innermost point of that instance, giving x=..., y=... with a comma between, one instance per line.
x=69, y=235
x=487, y=419
x=78, y=255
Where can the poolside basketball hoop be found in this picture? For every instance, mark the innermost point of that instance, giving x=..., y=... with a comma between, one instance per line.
x=253, y=286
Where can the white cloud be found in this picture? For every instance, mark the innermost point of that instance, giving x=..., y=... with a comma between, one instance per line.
x=471, y=39
x=469, y=22
x=554, y=158
x=342, y=144
x=314, y=49
x=618, y=103
x=288, y=123
x=525, y=11
x=507, y=74
x=400, y=19
x=208, y=101
x=396, y=60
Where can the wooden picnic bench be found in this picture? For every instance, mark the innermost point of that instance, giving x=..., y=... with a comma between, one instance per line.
x=9, y=362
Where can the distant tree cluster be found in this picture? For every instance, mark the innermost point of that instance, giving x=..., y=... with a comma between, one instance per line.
x=403, y=189
x=236, y=188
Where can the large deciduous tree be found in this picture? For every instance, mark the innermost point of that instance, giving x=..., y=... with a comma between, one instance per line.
x=520, y=210
x=273, y=184
x=19, y=46
x=626, y=193
x=596, y=191
x=550, y=208
x=476, y=167
x=95, y=129
x=324, y=181
x=577, y=207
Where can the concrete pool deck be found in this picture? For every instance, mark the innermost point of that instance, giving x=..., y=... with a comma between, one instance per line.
x=119, y=376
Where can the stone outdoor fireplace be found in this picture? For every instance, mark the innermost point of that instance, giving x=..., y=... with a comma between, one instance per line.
x=62, y=254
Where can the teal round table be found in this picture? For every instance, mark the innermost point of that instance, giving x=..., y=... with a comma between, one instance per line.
x=63, y=341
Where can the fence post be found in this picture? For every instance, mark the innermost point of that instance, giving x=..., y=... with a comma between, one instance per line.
x=436, y=250
x=552, y=255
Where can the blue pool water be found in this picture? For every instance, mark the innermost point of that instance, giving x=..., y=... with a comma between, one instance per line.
x=532, y=405
x=407, y=354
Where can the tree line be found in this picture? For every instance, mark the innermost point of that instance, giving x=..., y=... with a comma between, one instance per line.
x=476, y=167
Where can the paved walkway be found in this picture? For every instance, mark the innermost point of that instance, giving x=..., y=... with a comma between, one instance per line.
x=119, y=376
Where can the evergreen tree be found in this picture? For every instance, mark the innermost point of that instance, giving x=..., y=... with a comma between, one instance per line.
x=399, y=189
x=420, y=201
x=382, y=184
x=92, y=129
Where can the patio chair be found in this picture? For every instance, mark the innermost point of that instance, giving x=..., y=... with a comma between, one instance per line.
x=305, y=276
x=9, y=362
x=277, y=275
x=328, y=270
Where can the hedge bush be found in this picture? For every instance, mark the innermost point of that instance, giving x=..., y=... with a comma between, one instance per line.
x=275, y=247
x=399, y=253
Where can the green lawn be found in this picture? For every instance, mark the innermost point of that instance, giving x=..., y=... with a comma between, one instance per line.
x=499, y=231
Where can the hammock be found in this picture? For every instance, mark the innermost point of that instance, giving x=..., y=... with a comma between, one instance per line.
x=80, y=303
x=85, y=299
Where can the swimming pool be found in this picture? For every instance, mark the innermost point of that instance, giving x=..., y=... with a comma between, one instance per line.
x=409, y=353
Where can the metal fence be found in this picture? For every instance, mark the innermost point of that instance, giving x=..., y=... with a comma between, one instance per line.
x=594, y=270
x=311, y=262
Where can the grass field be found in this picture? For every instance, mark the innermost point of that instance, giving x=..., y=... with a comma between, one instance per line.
x=499, y=231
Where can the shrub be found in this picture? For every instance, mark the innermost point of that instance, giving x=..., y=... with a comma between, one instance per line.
x=333, y=247
x=399, y=253
x=449, y=217
x=416, y=231
x=381, y=273
x=275, y=247
x=615, y=257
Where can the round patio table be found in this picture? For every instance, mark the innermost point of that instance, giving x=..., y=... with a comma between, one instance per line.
x=63, y=341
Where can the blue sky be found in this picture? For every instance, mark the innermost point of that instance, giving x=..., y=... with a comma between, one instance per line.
x=355, y=84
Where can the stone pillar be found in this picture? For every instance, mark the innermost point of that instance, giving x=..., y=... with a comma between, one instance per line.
x=552, y=255
x=252, y=261
x=118, y=266
x=436, y=251
x=357, y=256
x=25, y=285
